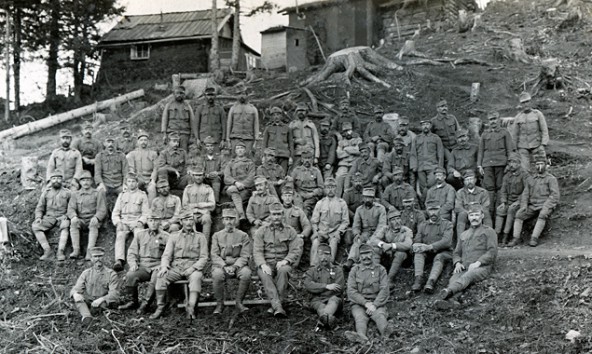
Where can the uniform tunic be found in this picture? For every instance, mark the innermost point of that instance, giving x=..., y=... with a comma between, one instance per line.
x=305, y=135
x=240, y=170
x=146, y=248
x=166, y=208
x=86, y=203
x=210, y=120
x=144, y=163
x=131, y=207
x=95, y=283
x=67, y=161
x=88, y=148
x=110, y=169
x=177, y=117
x=330, y=217
x=445, y=127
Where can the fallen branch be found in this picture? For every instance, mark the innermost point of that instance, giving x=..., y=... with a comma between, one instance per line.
x=46, y=315
x=313, y=100
x=423, y=62
x=408, y=49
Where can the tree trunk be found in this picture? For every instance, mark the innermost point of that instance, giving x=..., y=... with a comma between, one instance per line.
x=7, y=58
x=236, y=36
x=16, y=54
x=214, y=53
x=54, y=46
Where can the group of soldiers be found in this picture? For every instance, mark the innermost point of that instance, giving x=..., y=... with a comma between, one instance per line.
x=316, y=189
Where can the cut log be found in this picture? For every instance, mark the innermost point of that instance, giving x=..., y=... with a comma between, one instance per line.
x=33, y=127
x=409, y=50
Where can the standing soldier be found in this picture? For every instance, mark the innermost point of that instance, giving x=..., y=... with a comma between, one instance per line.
x=239, y=176
x=378, y=135
x=199, y=198
x=97, y=286
x=178, y=117
x=129, y=214
x=394, y=243
x=444, y=193
x=276, y=247
x=432, y=241
x=426, y=154
x=213, y=163
x=295, y=217
x=353, y=196
x=274, y=173
x=278, y=136
x=231, y=250
x=411, y=216
x=306, y=137
x=539, y=198
x=51, y=212
x=87, y=209
x=404, y=133
x=144, y=163
x=347, y=115
x=166, y=207
x=445, y=125
x=495, y=148
x=512, y=187
x=467, y=195
x=347, y=150
x=398, y=158
x=393, y=195
x=185, y=257
x=462, y=157
x=126, y=143
x=65, y=161
x=242, y=125
x=143, y=256
x=368, y=291
x=110, y=169
x=327, y=147
x=259, y=204
x=210, y=119
x=369, y=167
x=308, y=182
x=330, y=220
x=325, y=282
x=88, y=147
x=530, y=132
x=172, y=164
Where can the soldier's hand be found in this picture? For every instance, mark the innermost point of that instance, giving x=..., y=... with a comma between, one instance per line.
x=230, y=270
x=163, y=272
x=266, y=269
x=458, y=268
x=376, y=179
x=187, y=272
x=94, y=222
x=78, y=297
x=474, y=265
x=456, y=174
x=37, y=221
x=502, y=206
x=316, y=161
x=101, y=187
x=165, y=225
x=197, y=142
x=240, y=186
x=165, y=138
x=280, y=264
x=290, y=161
x=97, y=302
x=327, y=166
x=481, y=170
x=257, y=222
x=133, y=267
x=333, y=287
x=521, y=211
x=386, y=246
x=370, y=308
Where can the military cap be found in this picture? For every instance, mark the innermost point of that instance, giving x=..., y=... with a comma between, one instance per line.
x=229, y=213
x=368, y=192
x=439, y=170
x=56, y=173
x=346, y=126
x=87, y=125
x=209, y=140
x=461, y=132
x=514, y=156
x=493, y=114
x=162, y=182
x=85, y=175
x=186, y=213
x=131, y=175
x=276, y=207
x=174, y=136
x=197, y=169
x=393, y=213
x=326, y=122
x=260, y=179
x=363, y=146
x=366, y=248
x=142, y=133
x=344, y=100
x=538, y=157
x=301, y=107
x=378, y=109
x=275, y=109
x=441, y=103
x=307, y=153
x=397, y=170
x=403, y=120
x=109, y=137
x=65, y=132
x=330, y=181
x=398, y=140
x=97, y=251
x=240, y=143
x=525, y=97
x=475, y=208
x=468, y=173
x=324, y=248
x=408, y=199
x=356, y=177
x=432, y=204
x=425, y=120
x=210, y=90
x=287, y=189
x=269, y=151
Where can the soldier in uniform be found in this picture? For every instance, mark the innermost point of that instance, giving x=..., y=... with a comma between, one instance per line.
x=259, y=203
x=51, y=211
x=126, y=143
x=66, y=161
x=144, y=163
x=444, y=193
x=368, y=291
x=347, y=150
x=274, y=173
x=278, y=136
x=199, y=198
x=406, y=135
x=411, y=217
x=276, y=247
x=378, y=135
x=467, y=195
x=172, y=163
x=231, y=251
x=393, y=195
x=369, y=167
x=185, y=257
x=398, y=158
x=393, y=243
x=143, y=256
x=242, y=125
x=166, y=207
x=87, y=209
x=327, y=147
x=96, y=287
x=512, y=187
x=305, y=135
x=129, y=214
x=110, y=169
x=295, y=217
x=308, y=182
x=353, y=195
x=210, y=119
x=433, y=240
x=462, y=157
x=347, y=115
x=330, y=220
x=239, y=176
x=539, y=198
x=88, y=147
x=530, y=132
x=473, y=258
x=178, y=117
x=445, y=125
x=214, y=166
x=427, y=153
x=325, y=282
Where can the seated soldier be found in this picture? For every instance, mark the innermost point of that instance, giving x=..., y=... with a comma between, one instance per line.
x=393, y=243
x=378, y=134
x=214, y=166
x=325, y=282
x=539, y=198
x=411, y=216
x=144, y=163
x=258, y=207
x=231, y=251
x=432, y=241
x=473, y=258
x=274, y=173
x=185, y=256
x=398, y=158
x=295, y=217
x=512, y=187
x=172, y=164
x=110, y=168
x=87, y=209
x=368, y=291
x=239, y=175
x=199, y=198
x=369, y=167
x=51, y=212
x=143, y=257
x=330, y=220
x=346, y=152
x=96, y=286
x=393, y=195
x=276, y=247
x=166, y=207
x=308, y=182
x=444, y=193
x=467, y=195
x=462, y=157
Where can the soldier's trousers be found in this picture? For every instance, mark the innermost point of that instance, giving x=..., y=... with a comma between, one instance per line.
x=219, y=276
x=216, y=185
x=121, y=234
x=275, y=284
x=327, y=306
x=175, y=274
x=460, y=281
x=141, y=275
x=439, y=260
x=238, y=198
x=425, y=179
x=506, y=216
x=361, y=318
x=492, y=182
x=85, y=306
x=343, y=179
x=332, y=239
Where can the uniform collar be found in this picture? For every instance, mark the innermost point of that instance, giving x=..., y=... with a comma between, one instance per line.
x=280, y=227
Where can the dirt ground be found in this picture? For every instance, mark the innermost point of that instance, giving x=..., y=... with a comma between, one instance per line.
x=534, y=298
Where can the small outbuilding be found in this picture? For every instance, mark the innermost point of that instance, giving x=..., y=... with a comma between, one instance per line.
x=284, y=48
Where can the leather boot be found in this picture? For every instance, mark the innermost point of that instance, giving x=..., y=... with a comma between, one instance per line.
x=499, y=224
x=92, y=240
x=243, y=287
x=160, y=294
x=429, y=287
x=47, y=252
x=83, y=309
x=75, y=238
x=536, y=233
x=146, y=300
x=131, y=298
x=492, y=203
x=219, y=308
x=505, y=239
x=417, y=284
x=517, y=232
x=238, y=204
x=190, y=309
x=62, y=245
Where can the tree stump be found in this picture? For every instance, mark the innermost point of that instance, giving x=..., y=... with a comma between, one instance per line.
x=516, y=51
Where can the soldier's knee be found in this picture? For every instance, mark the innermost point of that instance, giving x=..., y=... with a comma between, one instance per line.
x=284, y=270
x=195, y=276
x=231, y=190
x=206, y=219
x=217, y=274
x=244, y=273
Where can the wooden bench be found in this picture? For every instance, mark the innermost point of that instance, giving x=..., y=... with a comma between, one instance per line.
x=185, y=285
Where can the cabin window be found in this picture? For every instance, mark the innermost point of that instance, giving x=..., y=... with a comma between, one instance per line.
x=296, y=42
x=140, y=52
